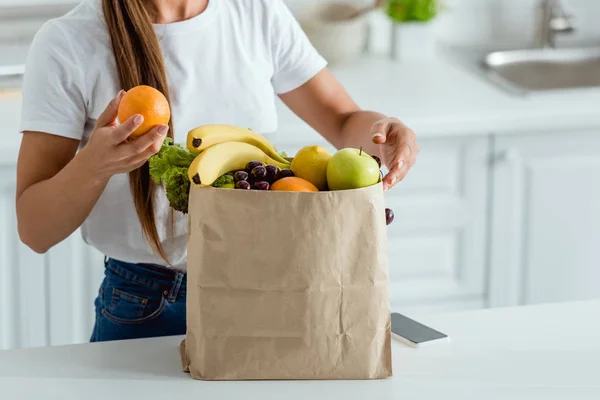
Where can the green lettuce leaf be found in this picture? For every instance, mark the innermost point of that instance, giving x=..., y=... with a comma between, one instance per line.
x=170, y=156
x=177, y=186
x=170, y=167
x=225, y=181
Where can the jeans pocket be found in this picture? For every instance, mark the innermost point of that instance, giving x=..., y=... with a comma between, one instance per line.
x=132, y=306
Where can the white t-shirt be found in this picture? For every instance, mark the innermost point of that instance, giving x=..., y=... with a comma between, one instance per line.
x=225, y=65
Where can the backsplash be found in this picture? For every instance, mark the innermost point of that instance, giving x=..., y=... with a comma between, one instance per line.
x=494, y=23
x=511, y=23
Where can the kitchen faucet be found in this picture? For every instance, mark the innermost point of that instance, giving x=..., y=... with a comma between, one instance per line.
x=552, y=20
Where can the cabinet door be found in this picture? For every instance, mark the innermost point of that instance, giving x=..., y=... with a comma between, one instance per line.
x=546, y=219
x=44, y=299
x=437, y=242
x=10, y=112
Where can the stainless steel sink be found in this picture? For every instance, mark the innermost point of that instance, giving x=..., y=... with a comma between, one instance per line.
x=545, y=69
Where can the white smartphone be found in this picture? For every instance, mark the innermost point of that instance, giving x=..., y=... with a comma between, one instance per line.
x=414, y=333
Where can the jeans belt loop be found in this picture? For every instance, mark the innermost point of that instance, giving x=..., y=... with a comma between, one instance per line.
x=172, y=296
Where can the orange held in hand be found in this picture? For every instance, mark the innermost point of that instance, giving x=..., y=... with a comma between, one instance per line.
x=293, y=184
x=148, y=102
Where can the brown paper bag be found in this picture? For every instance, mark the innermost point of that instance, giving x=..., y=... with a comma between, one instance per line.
x=285, y=285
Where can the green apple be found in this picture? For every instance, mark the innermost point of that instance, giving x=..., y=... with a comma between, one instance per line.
x=351, y=169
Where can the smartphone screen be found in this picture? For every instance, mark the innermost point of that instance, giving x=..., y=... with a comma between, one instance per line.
x=414, y=331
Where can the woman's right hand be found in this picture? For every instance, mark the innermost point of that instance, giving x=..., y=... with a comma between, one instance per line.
x=108, y=152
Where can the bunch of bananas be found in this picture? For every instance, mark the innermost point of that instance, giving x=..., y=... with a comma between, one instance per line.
x=225, y=148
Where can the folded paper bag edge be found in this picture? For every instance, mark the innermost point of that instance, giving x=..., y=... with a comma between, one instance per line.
x=185, y=365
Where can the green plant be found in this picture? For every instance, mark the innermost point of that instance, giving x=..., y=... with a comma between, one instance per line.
x=411, y=10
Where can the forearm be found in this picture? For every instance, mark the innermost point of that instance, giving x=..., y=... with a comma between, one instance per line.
x=51, y=210
x=356, y=131
x=326, y=106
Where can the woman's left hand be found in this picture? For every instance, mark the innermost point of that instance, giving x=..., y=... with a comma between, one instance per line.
x=398, y=149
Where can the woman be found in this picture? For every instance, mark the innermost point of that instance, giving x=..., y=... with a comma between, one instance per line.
x=218, y=61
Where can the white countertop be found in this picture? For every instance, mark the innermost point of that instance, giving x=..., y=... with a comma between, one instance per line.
x=442, y=98
x=13, y=57
x=540, y=352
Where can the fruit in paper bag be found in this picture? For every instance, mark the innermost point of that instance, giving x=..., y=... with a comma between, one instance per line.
x=148, y=102
x=389, y=216
x=240, y=176
x=202, y=137
x=261, y=185
x=222, y=158
x=259, y=173
x=310, y=163
x=378, y=160
x=225, y=182
x=243, y=185
x=284, y=173
x=272, y=173
x=293, y=184
x=351, y=169
x=253, y=164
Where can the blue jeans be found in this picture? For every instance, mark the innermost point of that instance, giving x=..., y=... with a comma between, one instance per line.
x=139, y=301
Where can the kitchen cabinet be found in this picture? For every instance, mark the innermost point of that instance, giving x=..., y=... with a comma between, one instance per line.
x=437, y=244
x=546, y=218
x=44, y=299
x=10, y=111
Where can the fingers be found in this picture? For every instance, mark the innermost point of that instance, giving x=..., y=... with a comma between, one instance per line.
x=137, y=163
x=140, y=159
x=123, y=131
x=379, y=131
x=109, y=115
x=398, y=148
x=395, y=175
x=153, y=138
x=145, y=146
x=399, y=166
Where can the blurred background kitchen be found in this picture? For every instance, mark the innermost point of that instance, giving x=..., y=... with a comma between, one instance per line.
x=502, y=207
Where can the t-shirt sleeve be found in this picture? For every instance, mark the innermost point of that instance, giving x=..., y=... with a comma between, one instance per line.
x=295, y=59
x=53, y=95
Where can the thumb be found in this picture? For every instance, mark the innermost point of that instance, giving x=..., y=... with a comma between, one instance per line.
x=379, y=132
x=109, y=115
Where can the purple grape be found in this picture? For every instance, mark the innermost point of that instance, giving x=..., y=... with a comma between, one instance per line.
x=253, y=164
x=242, y=185
x=389, y=216
x=259, y=173
x=284, y=173
x=261, y=185
x=272, y=172
x=240, y=176
x=378, y=160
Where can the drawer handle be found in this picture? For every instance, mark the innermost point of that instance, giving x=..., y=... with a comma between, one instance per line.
x=508, y=156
